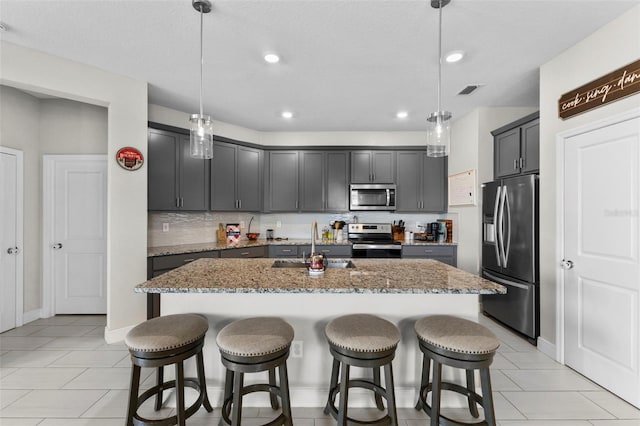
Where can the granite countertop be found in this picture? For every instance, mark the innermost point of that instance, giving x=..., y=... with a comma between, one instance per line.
x=368, y=276
x=195, y=248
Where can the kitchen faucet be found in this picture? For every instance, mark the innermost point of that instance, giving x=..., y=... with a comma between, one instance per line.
x=314, y=235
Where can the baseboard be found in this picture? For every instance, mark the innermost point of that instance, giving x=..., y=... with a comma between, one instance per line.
x=547, y=348
x=117, y=335
x=31, y=316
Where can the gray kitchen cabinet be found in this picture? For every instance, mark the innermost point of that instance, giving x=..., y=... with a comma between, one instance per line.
x=373, y=166
x=421, y=182
x=324, y=181
x=176, y=181
x=328, y=250
x=236, y=178
x=516, y=147
x=445, y=254
x=332, y=251
x=283, y=251
x=158, y=265
x=245, y=252
x=282, y=189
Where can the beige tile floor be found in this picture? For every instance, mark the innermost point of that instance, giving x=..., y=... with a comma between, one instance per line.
x=59, y=372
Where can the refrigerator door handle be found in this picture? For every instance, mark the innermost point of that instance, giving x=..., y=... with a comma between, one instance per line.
x=501, y=224
x=505, y=251
x=496, y=225
x=504, y=282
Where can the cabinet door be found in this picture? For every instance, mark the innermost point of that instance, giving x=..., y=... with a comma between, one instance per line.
x=249, y=179
x=383, y=167
x=361, y=167
x=530, y=146
x=408, y=183
x=223, y=177
x=337, y=181
x=194, y=179
x=434, y=184
x=247, y=252
x=506, y=153
x=283, y=181
x=312, y=181
x=162, y=168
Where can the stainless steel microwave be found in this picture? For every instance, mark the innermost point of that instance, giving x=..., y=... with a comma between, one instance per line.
x=369, y=196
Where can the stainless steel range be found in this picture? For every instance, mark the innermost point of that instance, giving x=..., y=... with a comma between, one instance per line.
x=373, y=240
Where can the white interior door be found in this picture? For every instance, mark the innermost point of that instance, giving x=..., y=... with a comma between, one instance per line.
x=601, y=290
x=78, y=239
x=10, y=238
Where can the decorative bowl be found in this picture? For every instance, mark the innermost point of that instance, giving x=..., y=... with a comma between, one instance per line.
x=253, y=235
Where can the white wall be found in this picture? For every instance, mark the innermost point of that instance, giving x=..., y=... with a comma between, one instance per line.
x=126, y=100
x=611, y=47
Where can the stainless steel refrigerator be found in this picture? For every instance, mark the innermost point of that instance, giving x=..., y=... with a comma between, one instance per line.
x=510, y=252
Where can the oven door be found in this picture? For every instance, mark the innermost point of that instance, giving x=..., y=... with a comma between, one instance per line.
x=376, y=251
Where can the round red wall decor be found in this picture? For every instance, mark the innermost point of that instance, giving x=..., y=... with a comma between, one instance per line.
x=129, y=158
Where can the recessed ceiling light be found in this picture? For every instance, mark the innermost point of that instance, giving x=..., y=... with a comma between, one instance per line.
x=287, y=114
x=402, y=114
x=454, y=56
x=272, y=58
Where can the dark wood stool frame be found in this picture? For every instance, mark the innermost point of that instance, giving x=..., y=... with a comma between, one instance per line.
x=343, y=359
x=234, y=388
x=466, y=361
x=159, y=360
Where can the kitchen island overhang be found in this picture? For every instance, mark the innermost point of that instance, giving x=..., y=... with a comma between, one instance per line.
x=400, y=290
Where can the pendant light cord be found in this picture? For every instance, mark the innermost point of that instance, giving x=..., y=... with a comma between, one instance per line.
x=201, y=62
x=439, y=55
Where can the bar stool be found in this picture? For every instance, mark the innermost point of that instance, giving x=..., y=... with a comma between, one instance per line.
x=459, y=343
x=367, y=341
x=249, y=346
x=163, y=341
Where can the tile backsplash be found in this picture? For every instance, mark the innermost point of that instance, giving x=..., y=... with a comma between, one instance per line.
x=201, y=227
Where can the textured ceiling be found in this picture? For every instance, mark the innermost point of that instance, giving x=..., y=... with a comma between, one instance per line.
x=346, y=65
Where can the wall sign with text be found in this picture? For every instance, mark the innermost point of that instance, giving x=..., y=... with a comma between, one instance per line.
x=129, y=158
x=618, y=84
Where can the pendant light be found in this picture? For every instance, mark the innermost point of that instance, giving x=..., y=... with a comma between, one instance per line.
x=201, y=134
x=439, y=122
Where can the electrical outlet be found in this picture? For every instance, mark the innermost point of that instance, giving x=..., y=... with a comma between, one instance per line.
x=296, y=349
x=242, y=224
x=165, y=227
x=278, y=224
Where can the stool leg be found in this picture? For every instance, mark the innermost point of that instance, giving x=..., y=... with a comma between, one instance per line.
x=471, y=387
x=133, y=394
x=344, y=395
x=391, y=395
x=180, y=393
x=435, y=393
x=272, y=382
x=228, y=385
x=376, y=380
x=238, y=384
x=334, y=382
x=159, y=382
x=203, y=382
x=487, y=397
x=284, y=393
x=424, y=380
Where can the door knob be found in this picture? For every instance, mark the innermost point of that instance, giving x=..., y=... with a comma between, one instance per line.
x=566, y=264
x=13, y=250
x=57, y=246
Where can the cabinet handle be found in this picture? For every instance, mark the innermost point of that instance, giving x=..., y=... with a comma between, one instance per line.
x=515, y=164
x=177, y=202
x=239, y=204
x=418, y=204
x=244, y=253
x=286, y=250
x=181, y=202
x=296, y=204
x=188, y=260
x=326, y=251
x=521, y=163
x=428, y=251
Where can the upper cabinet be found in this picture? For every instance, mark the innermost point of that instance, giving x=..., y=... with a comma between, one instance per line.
x=281, y=193
x=516, y=147
x=373, y=166
x=175, y=180
x=421, y=183
x=236, y=178
x=324, y=181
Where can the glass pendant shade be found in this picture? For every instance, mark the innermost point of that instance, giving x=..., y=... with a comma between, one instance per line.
x=201, y=136
x=438, y=134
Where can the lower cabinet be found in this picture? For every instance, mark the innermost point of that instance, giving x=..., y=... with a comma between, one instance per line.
x=445, y=254
x=246, y=252
x=291, y=251
x=158, y=265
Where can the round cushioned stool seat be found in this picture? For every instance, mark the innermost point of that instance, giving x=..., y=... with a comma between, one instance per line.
x=456, y=334
x=362, y=333
x=254, y=337
x=166, y=333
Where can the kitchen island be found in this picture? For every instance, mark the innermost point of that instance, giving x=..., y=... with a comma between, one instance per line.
x=400, y=290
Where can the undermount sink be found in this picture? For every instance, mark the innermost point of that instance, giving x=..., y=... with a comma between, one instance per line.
x=329, y=263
